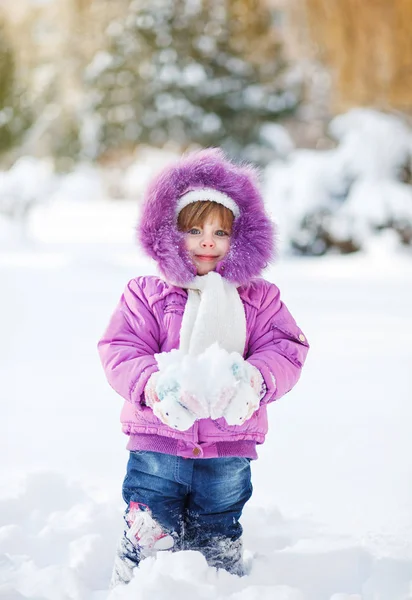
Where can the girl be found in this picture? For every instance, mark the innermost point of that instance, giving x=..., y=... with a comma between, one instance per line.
x=198, y=355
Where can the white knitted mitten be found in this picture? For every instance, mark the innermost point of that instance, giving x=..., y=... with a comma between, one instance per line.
x=249, y=391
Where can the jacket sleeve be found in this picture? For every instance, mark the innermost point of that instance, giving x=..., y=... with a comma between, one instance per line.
x=277, y=347
x=129, y=343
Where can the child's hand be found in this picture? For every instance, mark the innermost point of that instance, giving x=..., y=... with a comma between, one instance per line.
x=247, y=373
x=171, y=412
x=243, y=405
x=150, y=394
x=217, y=378
x=232, y=386
x=215, y=384
x=249, y=391
x=221, y=399
x=171, y=403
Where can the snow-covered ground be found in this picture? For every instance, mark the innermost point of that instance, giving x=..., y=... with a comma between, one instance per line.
x=331, y=514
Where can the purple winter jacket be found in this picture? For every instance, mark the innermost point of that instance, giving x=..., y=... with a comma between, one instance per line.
x=148, y=318
x=147, y=321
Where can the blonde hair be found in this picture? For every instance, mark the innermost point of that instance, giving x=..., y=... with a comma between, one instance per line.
x=196, y=213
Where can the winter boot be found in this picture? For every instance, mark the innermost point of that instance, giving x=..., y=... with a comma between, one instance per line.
x=142, y=537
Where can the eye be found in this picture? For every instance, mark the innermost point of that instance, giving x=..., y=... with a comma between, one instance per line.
x=221, y=233
x=194, y=231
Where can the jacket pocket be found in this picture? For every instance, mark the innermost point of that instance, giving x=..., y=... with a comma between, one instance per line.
x=290, y=341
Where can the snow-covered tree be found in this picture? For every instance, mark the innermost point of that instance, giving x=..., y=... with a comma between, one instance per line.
x=337, y=200
x=190, y=71
x=14, y=117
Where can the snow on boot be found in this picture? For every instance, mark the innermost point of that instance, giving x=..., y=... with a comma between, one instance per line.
x=145, y=532
x=142, y=537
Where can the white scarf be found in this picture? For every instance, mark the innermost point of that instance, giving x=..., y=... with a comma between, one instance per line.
x=214, y=313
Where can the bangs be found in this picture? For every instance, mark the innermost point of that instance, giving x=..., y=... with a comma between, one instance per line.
x=196, y=213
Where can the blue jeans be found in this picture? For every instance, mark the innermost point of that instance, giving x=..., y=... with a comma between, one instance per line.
x=198, y=501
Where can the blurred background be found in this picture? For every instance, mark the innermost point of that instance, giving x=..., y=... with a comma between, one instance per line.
x=96, y=94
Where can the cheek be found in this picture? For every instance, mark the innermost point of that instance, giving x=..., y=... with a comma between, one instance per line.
x=225, y=245
x=188, y=244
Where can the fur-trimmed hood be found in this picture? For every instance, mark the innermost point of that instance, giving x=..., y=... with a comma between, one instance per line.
x=252, y=244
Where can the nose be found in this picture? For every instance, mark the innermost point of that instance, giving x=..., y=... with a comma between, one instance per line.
x=207, y=241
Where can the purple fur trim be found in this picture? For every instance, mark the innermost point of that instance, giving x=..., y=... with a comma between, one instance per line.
x=252, y=245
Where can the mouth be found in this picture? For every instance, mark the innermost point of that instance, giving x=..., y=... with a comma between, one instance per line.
x=206, y=257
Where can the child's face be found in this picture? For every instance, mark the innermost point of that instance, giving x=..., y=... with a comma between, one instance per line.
x=207, y=244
